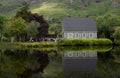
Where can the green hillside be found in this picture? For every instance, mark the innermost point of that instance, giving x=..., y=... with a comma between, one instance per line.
x=59, y=8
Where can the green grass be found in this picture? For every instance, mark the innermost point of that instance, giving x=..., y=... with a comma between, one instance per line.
x=36, y=44
x=60, y=42
x=62, y=45
x=8, y=45
x=84, y=42
x=28, y=45
x=50, y=9
x=47, y=46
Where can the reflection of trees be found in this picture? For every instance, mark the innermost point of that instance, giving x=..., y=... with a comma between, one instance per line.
x=116, y=54
x=31, y=63
x=42, y=60
x=8, y=62
x=24, y=63
x=105, y=56
x=107, y=64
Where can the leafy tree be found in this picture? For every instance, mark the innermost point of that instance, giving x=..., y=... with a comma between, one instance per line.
x=3, y=20
x=28, y=16
x=105, y=24
x=55, y=28
x=116, y=34
x=24, y=12
x=16, y=27
x=31, y=29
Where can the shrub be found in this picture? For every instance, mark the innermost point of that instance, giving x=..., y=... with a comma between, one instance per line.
x=83, y=42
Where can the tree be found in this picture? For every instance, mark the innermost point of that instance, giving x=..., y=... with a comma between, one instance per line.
x=116, y=34
x=28, y=16
x=31, y=29
x=16, y=27
x=24, y=12
x=3, y=20
x=105, y=24
x=55, y=28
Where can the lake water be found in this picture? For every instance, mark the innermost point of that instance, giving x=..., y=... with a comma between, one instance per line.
x=53, y=63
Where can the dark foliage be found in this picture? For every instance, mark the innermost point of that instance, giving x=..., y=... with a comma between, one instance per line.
x=28, y=16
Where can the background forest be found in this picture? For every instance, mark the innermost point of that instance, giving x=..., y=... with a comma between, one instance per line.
x=105, y=12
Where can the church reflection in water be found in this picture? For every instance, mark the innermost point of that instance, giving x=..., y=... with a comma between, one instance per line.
x=79, y=61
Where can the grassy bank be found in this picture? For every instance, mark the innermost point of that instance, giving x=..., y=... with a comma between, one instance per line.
x=36, y=44
x=84, y=42
x=60, y=42
x=9, y=45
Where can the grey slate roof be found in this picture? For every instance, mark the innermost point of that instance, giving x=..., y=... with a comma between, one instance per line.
x=78, y=24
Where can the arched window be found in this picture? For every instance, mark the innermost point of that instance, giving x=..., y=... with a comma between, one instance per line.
x=76, y=35
x=70, y=35
x=83, y=34
x=90, y=35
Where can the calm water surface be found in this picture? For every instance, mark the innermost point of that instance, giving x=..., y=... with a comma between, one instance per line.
x=33, y=63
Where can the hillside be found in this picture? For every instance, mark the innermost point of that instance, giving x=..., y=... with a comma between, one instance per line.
x=59, y=8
